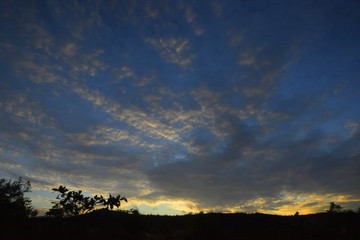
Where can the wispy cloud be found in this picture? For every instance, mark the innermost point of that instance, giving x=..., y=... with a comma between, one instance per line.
x=150, y=10
x=173, y=50
x=353, y=126
x=217, y=8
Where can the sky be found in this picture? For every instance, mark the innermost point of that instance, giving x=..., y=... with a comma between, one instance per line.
x=184, y=106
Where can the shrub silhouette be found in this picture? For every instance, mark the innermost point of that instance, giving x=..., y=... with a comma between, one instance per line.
x=334, y=208
x=73, y=203
x=13, y=203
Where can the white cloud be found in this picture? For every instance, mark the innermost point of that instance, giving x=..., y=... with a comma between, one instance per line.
x=353, y=126
x=248, y=58
x=125, y=72
x=40, y=73
x=173, y=50
x=104, y=135
x=189, y=15
x=22, y=109
x=150, y=10
x=69, y=49
x=217, y=8
x=87, y=62
x=41, y=39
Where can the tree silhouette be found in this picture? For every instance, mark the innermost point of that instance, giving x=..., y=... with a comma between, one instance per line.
x=111, y=201
x=13, y=203
x=334, y=208
x=73, y=203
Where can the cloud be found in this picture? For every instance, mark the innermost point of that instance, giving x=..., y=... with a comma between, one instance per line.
x=145, y=81
x=41, y=39
x=217, y=8
x=104, y=135
x=173, y=50
x=83, y=18
x=87, y=62
x=353, y=125
x=69, y=49
x=189, y=15
x=125, y=72
x=150, y=10
x=43, y=73
x=245, y=171
x=248, y=58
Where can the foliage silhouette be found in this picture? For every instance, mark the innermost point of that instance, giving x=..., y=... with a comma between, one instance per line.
x=334, y=208
x=111, y=201
x=13, y=203
x=73, y=203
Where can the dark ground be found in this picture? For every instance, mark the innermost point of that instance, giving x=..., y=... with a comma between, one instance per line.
x=117, y=225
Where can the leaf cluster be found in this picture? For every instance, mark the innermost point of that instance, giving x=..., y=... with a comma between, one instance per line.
x=111, y=201
x=74, y=203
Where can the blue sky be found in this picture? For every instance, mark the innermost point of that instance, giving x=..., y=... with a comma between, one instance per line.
x=184, y=106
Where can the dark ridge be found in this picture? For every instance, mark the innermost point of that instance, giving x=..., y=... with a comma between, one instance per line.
x=107, y=224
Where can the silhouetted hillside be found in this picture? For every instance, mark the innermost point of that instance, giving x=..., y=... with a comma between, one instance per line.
x=116, y=225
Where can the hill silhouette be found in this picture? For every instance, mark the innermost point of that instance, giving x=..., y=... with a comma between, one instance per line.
x=107, y=224
x=74, y=216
